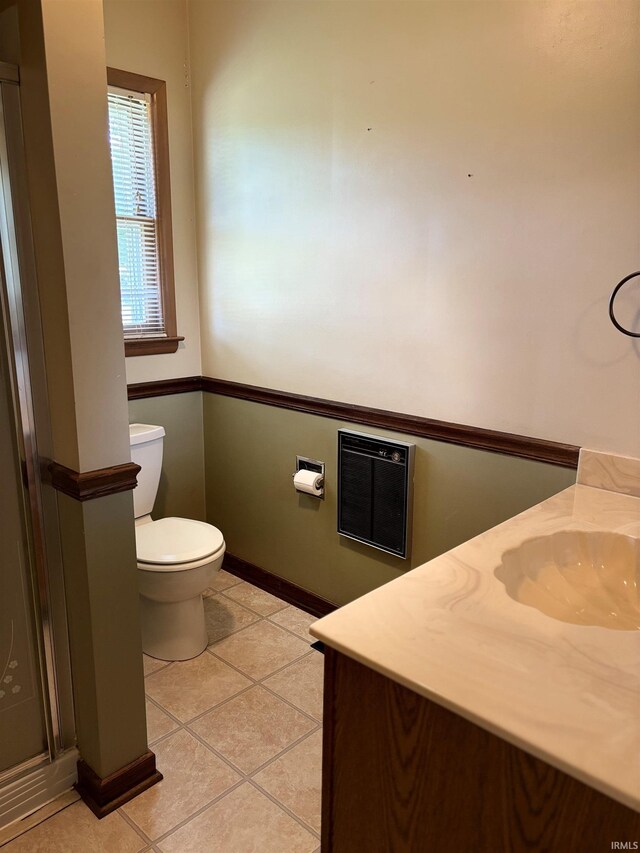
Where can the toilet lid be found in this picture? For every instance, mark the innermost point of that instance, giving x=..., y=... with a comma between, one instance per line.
x=176, y=540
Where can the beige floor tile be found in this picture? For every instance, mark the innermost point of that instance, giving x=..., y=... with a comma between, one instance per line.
x=252, y=728
x=301, y=684
x=158, y=723
x=152, y=664
x=260, y=649
x=295, y=778
x=222, y=580
x=245, y=821
x=295, y=620
x=188, y=688
x=255, y=599
x=77, y=830
x=193, y=776
x=224, y=616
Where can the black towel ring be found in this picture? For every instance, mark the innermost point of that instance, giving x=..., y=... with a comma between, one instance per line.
x=612, y=316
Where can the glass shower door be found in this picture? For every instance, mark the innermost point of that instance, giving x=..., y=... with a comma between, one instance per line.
x=23, y=732
x=37, y=732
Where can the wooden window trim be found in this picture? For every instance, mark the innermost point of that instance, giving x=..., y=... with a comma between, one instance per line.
x=160, y=129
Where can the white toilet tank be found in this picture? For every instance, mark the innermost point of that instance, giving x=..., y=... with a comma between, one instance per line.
x=146, y=451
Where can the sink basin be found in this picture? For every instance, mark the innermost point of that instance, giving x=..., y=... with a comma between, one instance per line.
x=582, y=577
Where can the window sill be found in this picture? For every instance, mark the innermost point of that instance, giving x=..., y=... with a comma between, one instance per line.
x=151, y=346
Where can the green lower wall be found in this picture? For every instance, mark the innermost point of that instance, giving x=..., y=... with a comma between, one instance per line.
x=245, y=453
x=250, y=451
x=181, y=490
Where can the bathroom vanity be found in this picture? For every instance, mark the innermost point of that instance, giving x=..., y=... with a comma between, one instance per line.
x=461, y=716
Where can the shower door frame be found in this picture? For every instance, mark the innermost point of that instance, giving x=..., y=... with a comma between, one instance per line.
x=30, y=784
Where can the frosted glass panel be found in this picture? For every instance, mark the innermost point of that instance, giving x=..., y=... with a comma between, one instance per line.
x=22, y=720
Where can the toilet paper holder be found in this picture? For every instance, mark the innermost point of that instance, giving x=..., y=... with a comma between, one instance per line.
x=303, y=463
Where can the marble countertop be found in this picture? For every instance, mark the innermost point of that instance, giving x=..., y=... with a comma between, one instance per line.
x=568, y=694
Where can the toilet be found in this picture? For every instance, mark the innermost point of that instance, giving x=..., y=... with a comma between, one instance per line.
x=177, y=560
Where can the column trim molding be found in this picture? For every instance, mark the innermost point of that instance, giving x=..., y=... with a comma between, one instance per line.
x=89, y=485
x=105, y=795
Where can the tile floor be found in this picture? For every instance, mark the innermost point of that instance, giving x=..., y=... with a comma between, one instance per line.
x=237, y=733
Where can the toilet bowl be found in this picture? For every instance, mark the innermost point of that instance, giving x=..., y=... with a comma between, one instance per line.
x=177, y=560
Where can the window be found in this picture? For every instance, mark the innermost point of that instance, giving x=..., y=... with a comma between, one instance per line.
x=140, y=162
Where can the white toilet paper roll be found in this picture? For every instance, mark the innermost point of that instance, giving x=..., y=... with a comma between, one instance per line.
x=308, y=482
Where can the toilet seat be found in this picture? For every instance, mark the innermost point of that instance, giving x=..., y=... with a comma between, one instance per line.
x=174, y=544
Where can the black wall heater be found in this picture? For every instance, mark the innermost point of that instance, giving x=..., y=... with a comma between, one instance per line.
x=375, y=491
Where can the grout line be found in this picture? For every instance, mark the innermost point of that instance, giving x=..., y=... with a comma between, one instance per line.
x=284, y=808
x=262, y=616
x=199, y=811
x=289, y=702
x=168, y=713
x=226, y=701
x=265, y=764
x=185, y=726
x=160, y=668
x=254, y=683
x=248, y=778
x=285, y=750
x=262, y=677
x=217, y=754
x=280, y=669
x=235, y=580
x=304, y=654
x=162, y=739
x=235, y=630
x=248, y=606
x=291, y=705
x=308, y=639
x=143, y=835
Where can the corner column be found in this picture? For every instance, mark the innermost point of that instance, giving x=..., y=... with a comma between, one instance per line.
x=64, y=105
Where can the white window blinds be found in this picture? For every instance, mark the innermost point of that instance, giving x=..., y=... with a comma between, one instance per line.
x=132, y=159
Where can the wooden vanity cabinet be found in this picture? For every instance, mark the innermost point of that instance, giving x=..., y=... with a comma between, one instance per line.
x=401, y=774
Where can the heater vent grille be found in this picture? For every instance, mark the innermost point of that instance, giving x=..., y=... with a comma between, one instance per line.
x=375, y=478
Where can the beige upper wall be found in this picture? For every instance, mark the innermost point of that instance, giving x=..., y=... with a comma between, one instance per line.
x=423, y=206
x=150, y=37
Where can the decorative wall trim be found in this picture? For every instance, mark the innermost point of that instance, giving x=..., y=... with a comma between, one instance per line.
x=164, y=387
x=104, y=796
x=94, y=484
x=524, y=447
x=284, y=589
